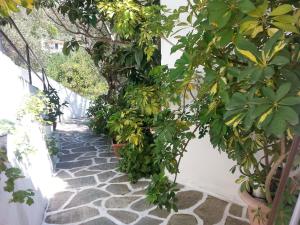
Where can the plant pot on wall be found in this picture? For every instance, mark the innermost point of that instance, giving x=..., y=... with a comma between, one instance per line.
x=257, y=209
x=116, y=149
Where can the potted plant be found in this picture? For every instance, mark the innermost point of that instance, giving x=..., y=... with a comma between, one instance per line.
x=253, y=96
x=248, y=92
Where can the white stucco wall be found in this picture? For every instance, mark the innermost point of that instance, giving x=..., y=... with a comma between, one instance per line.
x=36, y=166
x=202, y=166
x=14, y=86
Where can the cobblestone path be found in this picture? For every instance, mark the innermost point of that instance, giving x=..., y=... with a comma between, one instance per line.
x=97, y=194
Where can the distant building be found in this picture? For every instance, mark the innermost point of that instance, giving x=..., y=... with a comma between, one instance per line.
x=52, y=46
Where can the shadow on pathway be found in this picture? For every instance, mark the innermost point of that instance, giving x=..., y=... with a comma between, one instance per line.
x=97, y=194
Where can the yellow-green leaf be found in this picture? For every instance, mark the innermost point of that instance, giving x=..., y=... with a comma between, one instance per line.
x=264, y=116
x=285, y=19
x=248, y=25
x=214, y=89
x=256, y=31
x=272, y=31
x=248, y=55
x=260, y=10
x=286, y=27
x=281, y=10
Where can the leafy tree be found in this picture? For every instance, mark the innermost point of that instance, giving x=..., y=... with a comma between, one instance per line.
x=35, y=27
x=77, y=72
x=9, y=6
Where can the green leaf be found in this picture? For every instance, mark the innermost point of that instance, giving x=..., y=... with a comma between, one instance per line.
x=238, y=100
x=277, y=125
x=289, y=101
x=286, y=27
x=281, y=10
x=224, y=37
x=282, y=91
x=269, y=45
x=268, y=92
x=246, y=6
x=288, y=114
x=259, y=110
x=260, y=10
x=285, y=19
x=256, y=74
x=268, y=71
x=247, y=48
x=138, y=56
x=280, y=61
x=218, y=13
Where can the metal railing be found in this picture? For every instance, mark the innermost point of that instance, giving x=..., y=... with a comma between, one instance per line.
x=27, y=59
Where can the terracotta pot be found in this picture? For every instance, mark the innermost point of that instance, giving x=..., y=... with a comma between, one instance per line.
x=255, y=204
x=116, y=148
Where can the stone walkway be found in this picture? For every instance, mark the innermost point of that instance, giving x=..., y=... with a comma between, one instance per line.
x=97, y=194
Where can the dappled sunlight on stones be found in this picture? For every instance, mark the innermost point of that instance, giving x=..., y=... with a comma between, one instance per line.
x=162, y=213
x=121, y=179
x=90, y=191
x=211, y=211
x=187, y=199
x=106, y=175
x=72, y=215
x=84, y=149
x=120, y=202
x=59, y=200
x=148, y=221
x=81, y=182
x=236, y=210
x=86, y=196
x=98, y=203
x=69, y=157
x=183, y=219
x=100, y=160
x=139, y=184
x=69, y=165
x=233, y=221
x=105, y=166
x=142, y=205
x=63, y=174
x=118, y=189
x=82, y=173
x=123, y=216
x=99, y=221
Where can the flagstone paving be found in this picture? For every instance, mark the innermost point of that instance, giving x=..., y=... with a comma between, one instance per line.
x=97, y=194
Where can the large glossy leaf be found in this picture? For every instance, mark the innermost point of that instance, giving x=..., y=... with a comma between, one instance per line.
x=218, y=13
x=288, y=114
x=281, y=10
x=238, y=100
x=269, y=93
x=270, y=44
x=277, y=125
x=290, y=101
x=247, y=48
x=260, y=10
x=280, y=60
x=282, y=91
x=245, y=6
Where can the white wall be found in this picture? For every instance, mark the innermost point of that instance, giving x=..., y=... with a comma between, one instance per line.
x=14, y=86
x=202, y=166
x=36, y=166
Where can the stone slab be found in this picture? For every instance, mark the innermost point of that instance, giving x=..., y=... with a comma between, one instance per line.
x=72, y=215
